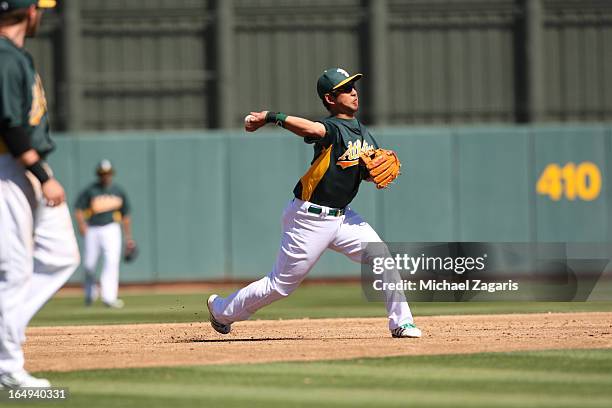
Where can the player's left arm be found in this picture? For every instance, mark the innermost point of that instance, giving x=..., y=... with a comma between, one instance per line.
x=295, y=124
x=126, y=222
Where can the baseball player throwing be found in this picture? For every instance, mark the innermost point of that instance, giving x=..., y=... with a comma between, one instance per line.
x=319, y=216
x=38, y=249
x=99, y=209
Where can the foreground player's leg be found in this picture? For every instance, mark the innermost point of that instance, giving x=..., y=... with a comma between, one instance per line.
x=56, y=256
x=16, y=269
x=349, y=240
x=304, y=238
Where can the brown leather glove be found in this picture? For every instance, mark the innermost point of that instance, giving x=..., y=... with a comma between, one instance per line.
x=383, y=166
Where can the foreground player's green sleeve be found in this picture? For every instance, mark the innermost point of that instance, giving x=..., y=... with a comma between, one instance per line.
x=331, y=133
x=12, y=101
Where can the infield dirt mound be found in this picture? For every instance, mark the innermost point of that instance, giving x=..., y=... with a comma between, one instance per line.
x=146, y=345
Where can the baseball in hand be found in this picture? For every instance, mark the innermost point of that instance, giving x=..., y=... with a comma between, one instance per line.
x=249, y=119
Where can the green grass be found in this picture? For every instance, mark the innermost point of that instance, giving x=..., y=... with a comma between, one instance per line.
x=313, y=301
x=569, y=378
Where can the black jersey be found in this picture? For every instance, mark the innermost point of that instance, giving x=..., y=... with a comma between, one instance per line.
x=335, y=174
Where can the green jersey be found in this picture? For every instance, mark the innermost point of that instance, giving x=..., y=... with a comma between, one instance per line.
x=103, y=205
x=334, y=176
x=22, y=97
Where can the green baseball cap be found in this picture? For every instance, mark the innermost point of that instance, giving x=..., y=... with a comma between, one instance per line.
x=8, y=5
x=334, y=78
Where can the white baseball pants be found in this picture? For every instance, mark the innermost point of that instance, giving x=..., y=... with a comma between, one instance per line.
x=105, y=240
x=305, y=236
x=38, y=253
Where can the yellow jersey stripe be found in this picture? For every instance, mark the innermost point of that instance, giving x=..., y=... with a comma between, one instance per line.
x=47, y=3
x=315, y=173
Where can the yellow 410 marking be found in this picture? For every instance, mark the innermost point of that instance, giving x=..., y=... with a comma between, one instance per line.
x=582, y=181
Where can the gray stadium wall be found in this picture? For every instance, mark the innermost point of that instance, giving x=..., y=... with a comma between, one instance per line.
x=194, y=64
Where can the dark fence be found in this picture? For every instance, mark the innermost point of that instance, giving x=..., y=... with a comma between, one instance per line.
x=172, y=64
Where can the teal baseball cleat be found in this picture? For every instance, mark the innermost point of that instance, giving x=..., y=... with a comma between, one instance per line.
x=408, y=330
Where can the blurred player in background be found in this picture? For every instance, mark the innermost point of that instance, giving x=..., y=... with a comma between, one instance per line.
x=38, y=249
x=100, y=208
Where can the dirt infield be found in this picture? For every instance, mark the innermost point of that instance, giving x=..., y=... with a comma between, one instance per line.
x=147, y=345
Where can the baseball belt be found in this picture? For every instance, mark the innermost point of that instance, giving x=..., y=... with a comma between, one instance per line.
x=334, y=212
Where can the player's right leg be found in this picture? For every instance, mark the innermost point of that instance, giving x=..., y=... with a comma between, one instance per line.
x=304, y=238
x=90, y=261
x=16, y=268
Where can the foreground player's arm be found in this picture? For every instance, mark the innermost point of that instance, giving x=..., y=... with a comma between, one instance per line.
x=300, y=126
x=15, y=135
x=18, y=142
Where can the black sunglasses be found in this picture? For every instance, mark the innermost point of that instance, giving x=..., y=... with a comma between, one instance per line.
x=348, y=88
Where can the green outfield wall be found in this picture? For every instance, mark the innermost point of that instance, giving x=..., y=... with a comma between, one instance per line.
x=207, y=205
